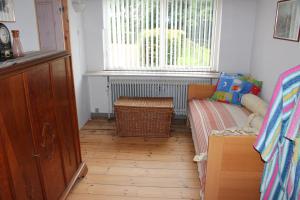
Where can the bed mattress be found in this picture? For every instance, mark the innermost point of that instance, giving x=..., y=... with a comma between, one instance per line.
x=205, y=116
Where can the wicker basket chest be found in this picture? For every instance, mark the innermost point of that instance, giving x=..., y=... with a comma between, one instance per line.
x=146, y=117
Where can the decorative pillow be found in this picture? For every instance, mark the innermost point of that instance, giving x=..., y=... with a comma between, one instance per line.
x=229, y=88
x=251, y=85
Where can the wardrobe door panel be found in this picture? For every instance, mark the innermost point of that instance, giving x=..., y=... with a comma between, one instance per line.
x=16, y=136
x=5, y=186
x=72, y=102
x=39, y=93
x=65, y=124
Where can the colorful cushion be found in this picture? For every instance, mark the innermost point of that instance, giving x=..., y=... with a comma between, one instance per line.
x=229, y=88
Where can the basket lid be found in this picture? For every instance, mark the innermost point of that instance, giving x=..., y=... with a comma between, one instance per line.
x=153, y=102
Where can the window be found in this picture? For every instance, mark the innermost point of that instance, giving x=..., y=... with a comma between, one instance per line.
x=171, y=35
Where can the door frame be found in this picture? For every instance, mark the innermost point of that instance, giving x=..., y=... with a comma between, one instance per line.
x=66, y=25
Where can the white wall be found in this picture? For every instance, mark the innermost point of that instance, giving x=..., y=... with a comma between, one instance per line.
x=237, y=31
x=271, y=56
x=26, y=23
x=79, y=65
x=98, y=95
x=93, y=25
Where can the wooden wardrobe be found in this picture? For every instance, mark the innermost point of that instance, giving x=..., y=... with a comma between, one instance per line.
x=39, y=139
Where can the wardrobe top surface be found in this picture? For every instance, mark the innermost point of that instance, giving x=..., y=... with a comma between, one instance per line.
x=29, y=56
x=30, y=59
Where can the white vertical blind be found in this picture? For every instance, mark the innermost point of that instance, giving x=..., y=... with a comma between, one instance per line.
x=152, y=31
x=157, y=34
x=180, y=35
x=146, y=36
x=160, y=34
x=142, y=33
x=185, y=33
x=176, y=28
x=172, y=32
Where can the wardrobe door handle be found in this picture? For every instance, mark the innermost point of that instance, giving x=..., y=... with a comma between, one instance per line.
x=45, y=133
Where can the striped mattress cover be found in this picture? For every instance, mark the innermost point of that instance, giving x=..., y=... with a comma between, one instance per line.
x=205, y=116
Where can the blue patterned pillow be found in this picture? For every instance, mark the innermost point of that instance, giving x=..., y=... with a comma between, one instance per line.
x=229, y=88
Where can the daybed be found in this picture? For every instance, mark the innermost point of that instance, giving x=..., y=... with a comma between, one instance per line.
x=228, y=165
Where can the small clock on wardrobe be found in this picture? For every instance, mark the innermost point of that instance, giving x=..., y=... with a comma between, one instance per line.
x=5, y=43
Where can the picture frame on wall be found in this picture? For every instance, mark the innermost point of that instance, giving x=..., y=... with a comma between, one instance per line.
x=7, y=11
x=287, y=25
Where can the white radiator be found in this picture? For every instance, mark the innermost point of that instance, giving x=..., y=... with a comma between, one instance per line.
x=154, y=88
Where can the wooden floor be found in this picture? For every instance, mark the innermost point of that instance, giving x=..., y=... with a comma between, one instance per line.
x=136, y=168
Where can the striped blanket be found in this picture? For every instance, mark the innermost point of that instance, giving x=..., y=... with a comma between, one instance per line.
x=206, y=116
x=279, y=140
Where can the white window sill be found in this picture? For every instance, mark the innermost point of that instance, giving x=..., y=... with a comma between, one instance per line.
x=105, y=73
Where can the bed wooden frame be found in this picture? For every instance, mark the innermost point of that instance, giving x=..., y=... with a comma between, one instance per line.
x=234, y=168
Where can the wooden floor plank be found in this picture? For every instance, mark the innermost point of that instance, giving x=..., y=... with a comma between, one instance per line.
x=141, y=172
x=133, y=168
x=141, y=148
x=137, y=156
x=114, y=197
x=141, y=164
x=141, y=192
x=135, y=140
x=142, y=181
x=174, y=133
